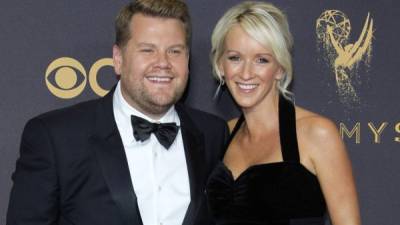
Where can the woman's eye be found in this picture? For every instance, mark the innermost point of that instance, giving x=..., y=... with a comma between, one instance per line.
x=262, y=60
x=234, y=58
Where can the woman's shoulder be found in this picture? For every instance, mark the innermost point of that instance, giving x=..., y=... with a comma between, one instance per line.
x=318, y=136
x=314, y=125
x=319, y=139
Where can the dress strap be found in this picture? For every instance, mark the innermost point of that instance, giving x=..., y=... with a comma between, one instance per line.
x=236, y=128
x=232, y=135
x=287, y=130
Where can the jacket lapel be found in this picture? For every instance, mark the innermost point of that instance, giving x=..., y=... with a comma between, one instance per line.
x=193, y=141
x=110, y=153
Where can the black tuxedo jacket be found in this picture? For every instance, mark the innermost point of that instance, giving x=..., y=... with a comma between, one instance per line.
x=73, y=170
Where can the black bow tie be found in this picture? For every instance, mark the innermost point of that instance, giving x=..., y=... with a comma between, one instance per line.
x=165, y=132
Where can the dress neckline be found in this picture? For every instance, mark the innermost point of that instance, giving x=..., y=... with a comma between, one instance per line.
x=287, y=136
x=248, y=169
x=262, y=165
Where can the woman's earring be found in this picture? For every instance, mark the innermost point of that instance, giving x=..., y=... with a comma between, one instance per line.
x=220, y=85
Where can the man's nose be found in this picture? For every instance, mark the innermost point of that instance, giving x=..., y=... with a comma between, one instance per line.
x=163, y=61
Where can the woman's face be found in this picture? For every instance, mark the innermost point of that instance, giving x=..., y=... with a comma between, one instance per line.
x=250, y=70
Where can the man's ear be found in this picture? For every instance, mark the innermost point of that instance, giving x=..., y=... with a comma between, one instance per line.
x=117, y=59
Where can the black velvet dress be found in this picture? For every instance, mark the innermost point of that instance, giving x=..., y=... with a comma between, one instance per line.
x=279, y=193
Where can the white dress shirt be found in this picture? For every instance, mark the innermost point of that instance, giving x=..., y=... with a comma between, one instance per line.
x=159, y=176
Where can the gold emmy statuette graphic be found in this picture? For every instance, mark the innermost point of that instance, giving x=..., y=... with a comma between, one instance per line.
x=333, y=31
x=66, y=77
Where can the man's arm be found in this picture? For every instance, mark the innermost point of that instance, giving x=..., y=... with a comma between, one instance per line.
x=34, y=197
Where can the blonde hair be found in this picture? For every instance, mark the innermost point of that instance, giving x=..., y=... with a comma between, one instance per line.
x=266, y=24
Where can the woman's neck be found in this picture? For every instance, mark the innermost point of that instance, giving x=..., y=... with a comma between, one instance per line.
x=262, y=118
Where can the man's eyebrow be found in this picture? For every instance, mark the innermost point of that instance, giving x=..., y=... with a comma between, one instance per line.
x=144, y=44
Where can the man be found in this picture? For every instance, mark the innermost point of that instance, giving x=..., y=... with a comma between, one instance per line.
x=134, y=156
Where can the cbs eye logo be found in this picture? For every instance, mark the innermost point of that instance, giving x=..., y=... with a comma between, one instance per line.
x=67, y=82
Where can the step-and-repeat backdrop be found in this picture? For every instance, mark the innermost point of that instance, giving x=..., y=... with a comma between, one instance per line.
x=57, y=53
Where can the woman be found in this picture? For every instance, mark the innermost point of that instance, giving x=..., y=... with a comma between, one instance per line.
x=284, y=164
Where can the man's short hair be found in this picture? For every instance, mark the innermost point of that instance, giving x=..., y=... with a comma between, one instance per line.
x=175, y=9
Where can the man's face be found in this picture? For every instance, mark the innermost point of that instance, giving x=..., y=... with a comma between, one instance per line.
x=153, y=65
